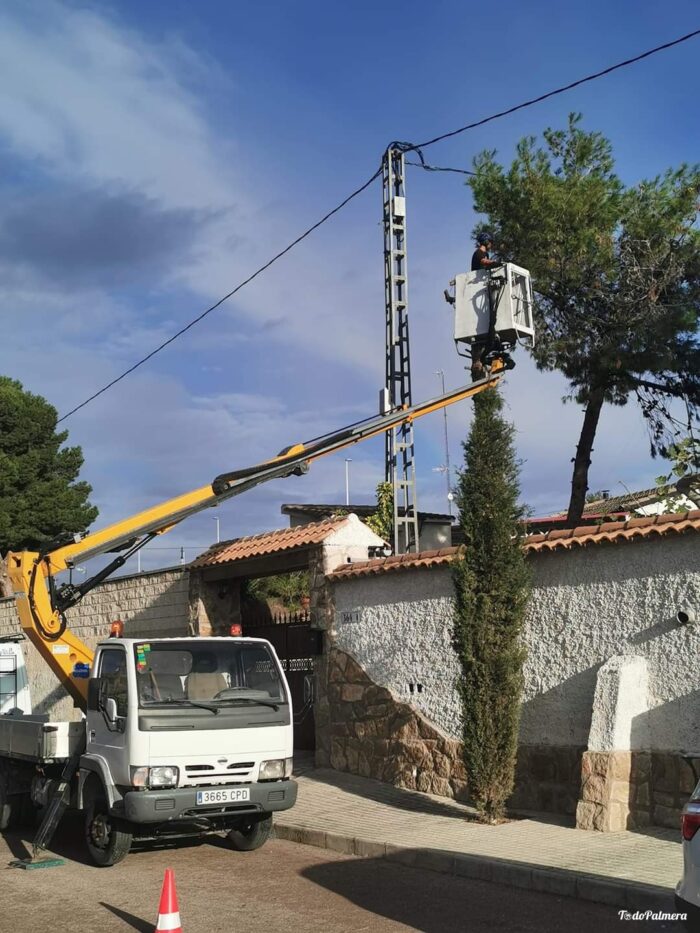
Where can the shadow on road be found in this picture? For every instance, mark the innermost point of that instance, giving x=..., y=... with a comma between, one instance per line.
x=432, y=902
x=136, y=923
x=18, y=848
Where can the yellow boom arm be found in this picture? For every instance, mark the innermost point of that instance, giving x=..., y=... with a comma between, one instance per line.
x=41, y=609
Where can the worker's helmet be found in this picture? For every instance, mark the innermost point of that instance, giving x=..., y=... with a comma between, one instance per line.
x=484, y=238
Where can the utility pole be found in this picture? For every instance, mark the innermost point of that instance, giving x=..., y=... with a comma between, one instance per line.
x=348, y=461
x=216, y=519
x=399, y=461
x=441, y=374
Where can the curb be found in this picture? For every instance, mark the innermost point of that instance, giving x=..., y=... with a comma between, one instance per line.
x=615, y=892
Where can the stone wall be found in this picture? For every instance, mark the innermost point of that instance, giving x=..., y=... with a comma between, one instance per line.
x=372, y=734
x=150, y=605
x=588, y=606
x=547, y=778
x=631, y=790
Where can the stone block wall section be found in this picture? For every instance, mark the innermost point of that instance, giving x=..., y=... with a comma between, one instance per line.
x=149, y=604
x=631, y=790
x=547, y=778
x=366, y=731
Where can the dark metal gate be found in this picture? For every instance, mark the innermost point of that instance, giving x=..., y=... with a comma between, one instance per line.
x=297, y=646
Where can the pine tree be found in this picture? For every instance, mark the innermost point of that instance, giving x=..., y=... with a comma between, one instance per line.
x=492, y=586
x=616, y=272
x=39, y=496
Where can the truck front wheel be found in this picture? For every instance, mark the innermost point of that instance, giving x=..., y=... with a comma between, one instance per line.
x=251, y=833
x=107, y=839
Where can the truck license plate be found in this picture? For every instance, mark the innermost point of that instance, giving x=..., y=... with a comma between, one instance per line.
x=223, y=795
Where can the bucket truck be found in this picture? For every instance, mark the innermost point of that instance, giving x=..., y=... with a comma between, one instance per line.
x=180, y=736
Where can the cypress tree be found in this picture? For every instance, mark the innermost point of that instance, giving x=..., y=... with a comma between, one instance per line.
x=492, y=586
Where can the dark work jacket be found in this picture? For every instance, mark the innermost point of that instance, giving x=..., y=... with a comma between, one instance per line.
x=476, y=260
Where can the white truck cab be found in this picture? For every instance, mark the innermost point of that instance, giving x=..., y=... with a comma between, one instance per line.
x=183, y=736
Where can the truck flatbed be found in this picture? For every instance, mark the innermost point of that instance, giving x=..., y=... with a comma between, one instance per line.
x=35, y=738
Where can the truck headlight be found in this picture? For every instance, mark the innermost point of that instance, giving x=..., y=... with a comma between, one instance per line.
x=139, y=777
x=275, y=769
x=163, y=776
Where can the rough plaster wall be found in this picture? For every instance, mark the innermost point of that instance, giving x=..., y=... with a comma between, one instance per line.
x=596, y=602
x=398, y=626
x=587, y=605
x=620, y=703
x=149, y=604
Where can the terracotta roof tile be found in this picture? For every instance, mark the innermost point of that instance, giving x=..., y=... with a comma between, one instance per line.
x=396, y=562
x=270, y=542
x=635, y=528
x=564, y=538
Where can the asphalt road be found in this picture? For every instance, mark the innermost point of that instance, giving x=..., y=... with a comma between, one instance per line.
x=281, y=888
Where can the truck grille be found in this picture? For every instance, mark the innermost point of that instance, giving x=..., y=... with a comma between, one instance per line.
x=203, y=774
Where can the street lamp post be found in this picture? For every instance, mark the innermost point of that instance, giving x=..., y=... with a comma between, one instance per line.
x=216, y=519
x=441, y=374
x=348, y=461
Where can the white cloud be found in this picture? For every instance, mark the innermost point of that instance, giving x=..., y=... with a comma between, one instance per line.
x=91, y=99
x=89, y=104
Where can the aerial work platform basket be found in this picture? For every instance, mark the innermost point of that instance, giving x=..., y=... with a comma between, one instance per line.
x=504, y=292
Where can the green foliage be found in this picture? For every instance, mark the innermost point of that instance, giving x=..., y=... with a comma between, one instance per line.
x=382, y=521
x=39, y=496
x=685, y=459
x=284, y=588
x=616, y=271
x=492, y=587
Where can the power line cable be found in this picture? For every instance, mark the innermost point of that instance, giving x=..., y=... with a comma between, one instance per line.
x=559, y=90
x=213, y=307
x=406, y=147
x=440, y=168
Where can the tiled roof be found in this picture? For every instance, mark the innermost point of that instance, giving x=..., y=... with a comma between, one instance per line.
x=271, y=542
x=653, y=526
x=366, y=568
x=649, y=526
x=626, y=503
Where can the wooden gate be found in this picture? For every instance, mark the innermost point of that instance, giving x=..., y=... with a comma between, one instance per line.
x=297, y=646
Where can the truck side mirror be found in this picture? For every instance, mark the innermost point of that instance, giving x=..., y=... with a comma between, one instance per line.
x=110, y=709
x=93, y=698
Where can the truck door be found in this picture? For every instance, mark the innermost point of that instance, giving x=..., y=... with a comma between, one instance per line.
x=107, y=737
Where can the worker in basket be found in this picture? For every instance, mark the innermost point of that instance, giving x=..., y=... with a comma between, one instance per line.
x=481, y=259
x=482, y=262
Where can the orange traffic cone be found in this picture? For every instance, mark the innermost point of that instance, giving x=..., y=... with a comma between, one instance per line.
x=168, y=911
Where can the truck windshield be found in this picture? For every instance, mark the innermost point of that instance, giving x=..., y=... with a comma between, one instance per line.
x=222, y=674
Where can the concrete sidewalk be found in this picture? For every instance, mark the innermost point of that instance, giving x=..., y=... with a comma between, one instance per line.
x=364, y=817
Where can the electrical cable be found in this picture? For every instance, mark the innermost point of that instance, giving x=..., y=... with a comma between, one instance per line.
x=440, y=168
x=559, y=90
x=233, y=291
x=404, y=147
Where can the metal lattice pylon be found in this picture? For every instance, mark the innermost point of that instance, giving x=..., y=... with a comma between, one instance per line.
x=400, y=468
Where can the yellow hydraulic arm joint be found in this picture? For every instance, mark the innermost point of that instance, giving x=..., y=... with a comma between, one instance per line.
x=65, y=653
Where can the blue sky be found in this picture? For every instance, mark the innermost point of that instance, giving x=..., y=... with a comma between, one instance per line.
x=153, y=155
